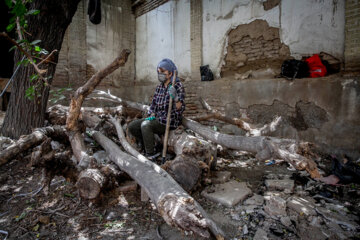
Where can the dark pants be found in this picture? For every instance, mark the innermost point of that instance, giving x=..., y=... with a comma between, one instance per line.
x=144, y=130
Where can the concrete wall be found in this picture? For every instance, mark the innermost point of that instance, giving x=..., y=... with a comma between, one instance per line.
x=306, y=27
x=352, y=36
x=163, y=33
x=324, y=111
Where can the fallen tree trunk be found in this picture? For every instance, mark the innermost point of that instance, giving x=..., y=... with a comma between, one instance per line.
x=31, y=140
x=264, y=147
x=249, y=128
x=176, y=207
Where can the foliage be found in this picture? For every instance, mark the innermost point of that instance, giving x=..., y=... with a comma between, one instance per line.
x=32, y=50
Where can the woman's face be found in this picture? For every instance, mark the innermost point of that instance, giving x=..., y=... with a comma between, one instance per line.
x=166, y=72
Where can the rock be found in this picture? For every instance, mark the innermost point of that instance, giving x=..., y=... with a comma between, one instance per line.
x=301, y=206
x=128, y=186
x=304, y=231
x=250, y=208
x=44, y=219
x=275, y=206
x=221, y=177
x=245, y=229
x=55, y=145
x=101, y=157
x=285, y=185
x=286, y=221
x=255, y=200
x=228, y=194
x=112, y=216
x=260, y=235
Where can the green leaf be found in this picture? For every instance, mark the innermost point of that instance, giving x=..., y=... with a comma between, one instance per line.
x=9, y=3
x=37, y=48
x=34, y=77
x=30, y=93
x=69, y=195
x=19, y=9
x=10, y=27
x=33, y=12
x=35, y=42
x=36, y=228
x=12, y=48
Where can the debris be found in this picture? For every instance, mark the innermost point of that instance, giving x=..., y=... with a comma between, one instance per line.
x=275, y=206
x=228, y=194
x=260, y=235
x=221, y=177
x=245, y=230
x=286, y=185
x=302, y=206
x=255, y=200
x=44, y=219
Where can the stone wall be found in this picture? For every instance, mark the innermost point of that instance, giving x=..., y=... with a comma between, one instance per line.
x=352, y=35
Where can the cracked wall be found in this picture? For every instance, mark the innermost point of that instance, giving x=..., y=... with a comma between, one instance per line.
x=254, y=46
x=324, y=111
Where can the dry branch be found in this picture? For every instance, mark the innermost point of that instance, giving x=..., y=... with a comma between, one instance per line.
x=76, y=139
x=176, y=207
x=264, y=147
x=249, y=128
x=28, y=141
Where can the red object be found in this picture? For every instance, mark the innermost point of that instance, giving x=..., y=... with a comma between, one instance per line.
x=316, y=68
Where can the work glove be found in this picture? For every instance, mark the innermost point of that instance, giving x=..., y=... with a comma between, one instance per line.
x=150, y=118
x=173, y=93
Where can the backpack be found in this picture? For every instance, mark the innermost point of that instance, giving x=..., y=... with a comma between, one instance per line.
x=316, y=68
x=206, y=73
x=294, y=69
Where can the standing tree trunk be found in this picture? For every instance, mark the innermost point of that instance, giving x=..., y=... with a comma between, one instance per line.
x=23, y=115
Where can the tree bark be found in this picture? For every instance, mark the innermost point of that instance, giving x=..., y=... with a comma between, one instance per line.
x=264, y=147
x=33, y=139
x=240, y=123
x=176, y=207
x=72, y=125
x=23, y=115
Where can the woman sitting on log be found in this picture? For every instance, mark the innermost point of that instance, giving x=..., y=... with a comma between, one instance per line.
x=144, y=129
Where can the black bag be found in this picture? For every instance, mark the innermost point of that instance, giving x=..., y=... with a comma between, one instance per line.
x=206, y=73
x=294, y=69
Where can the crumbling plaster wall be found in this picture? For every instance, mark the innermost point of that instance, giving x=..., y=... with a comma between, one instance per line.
x=324, y=111
x=306, y=27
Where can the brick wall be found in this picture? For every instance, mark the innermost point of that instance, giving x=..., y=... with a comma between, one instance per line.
x=352, y=35
x=71, y=67
x=253, y=46
x=196, y=38
x=142, y=7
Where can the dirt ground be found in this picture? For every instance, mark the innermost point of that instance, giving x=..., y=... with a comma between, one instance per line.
x=27, y=213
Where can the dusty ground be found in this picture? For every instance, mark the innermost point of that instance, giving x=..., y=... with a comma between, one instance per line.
x=26, y=213
x=62, y=215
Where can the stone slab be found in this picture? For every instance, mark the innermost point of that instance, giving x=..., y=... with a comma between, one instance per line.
x=286, y=185
x=228, y=194
x=221, y=177
x=301, y=206
x=255, y=200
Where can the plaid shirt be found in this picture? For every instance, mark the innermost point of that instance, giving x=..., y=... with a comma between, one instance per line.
x=160, y=104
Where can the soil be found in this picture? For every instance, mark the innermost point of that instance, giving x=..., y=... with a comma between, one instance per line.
x=27, y=213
